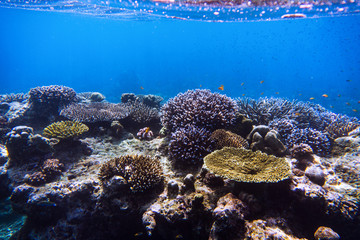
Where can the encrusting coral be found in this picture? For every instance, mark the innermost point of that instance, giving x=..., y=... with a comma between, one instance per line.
x=65, y=129
x=140, y=172
x=223, y=138
x=243, y=165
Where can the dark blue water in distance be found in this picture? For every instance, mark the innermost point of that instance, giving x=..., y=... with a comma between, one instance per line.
x=296, y=58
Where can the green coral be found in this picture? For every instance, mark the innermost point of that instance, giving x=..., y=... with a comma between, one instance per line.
x=247, y=166
x=65, y=129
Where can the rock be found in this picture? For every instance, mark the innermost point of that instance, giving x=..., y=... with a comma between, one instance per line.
x=315, y=174
x=189, y=182
x=96, y=97
x=173, y=189
x=266, y=140
x=347, y=144
x=326, y=233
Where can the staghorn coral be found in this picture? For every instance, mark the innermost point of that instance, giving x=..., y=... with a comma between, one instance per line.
x=246, y=166
x=55, y=95
x=95, y=112
x=200, y=108
x=190, y=144
x=65, y=129
x=223, y=138
x=341, y=128
x=142, y=173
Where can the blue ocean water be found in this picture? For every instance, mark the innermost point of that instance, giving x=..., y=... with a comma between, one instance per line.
x=295, y=58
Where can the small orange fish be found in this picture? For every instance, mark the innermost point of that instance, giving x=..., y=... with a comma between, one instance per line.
x=262, y=93
x=141, y=87
x=331, y=106
x=243, y=94
x=312, y=98
x=339, y=95
x=200, y=85
x=221, y=88
x=358, y=101
x=325, y=95
x=276, y=92
x=147, y=130
x=354, y=110
x=297, y=114
x=347, y=103
x=262, y=81
x=242, y=84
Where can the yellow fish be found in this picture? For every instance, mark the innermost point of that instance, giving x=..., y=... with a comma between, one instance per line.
x=297, y=114
x=312, y=98
x=262, y=81
x=325, y=95
x=138, y=234
x=221, y=88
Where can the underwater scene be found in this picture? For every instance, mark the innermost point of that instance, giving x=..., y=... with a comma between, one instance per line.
x=179, y=119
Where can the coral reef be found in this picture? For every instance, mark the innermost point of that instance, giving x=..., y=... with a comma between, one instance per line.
x=266, y=140
x=140, y=172
x=152, y=101
x=86, y=97
x=246, y=166
x=95, y=112
x=50, y=169
x=190, y=144
x=22, y=145
x=142, y=114
x=200, y=108
x=65, y=129
x=223, y=138
x=145, y=134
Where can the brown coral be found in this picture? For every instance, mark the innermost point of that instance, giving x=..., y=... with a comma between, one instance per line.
x=140, y=172
x=246, y=166
x=223, y=138
x=340, y=128
x=65, y=129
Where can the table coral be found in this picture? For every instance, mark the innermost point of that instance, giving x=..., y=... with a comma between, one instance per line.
x=246, y=166
x=65, y=129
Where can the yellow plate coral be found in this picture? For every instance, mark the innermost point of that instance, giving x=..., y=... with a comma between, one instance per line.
x=65, y=129
x=247, y=166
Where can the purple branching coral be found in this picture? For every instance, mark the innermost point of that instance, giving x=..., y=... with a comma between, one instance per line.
x=190, y=144
x=200, y=108
x=52, y=95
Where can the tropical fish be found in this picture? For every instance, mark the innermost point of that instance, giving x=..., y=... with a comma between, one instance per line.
x=294, y=15
x=276, y=92
x=312, y=98
x=141, y=87
x=348, y=80
x=297, y=114
x=354, y=110
x=331, y=106
x=262, y=93
x=347, y=103
x=339, y=95
x=138, y=234
x=243, y=94
x=242, y=84
x=262, y=81
x=358, y=101
x=46, y=204
x=200, y=85
x=325, y=95
x=179, y=236
x=147, y=129
x=221, y=88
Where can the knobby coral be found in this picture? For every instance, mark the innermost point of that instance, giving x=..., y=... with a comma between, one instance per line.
x=65, y=129
x=223, y=138
x=141, y=172
x=200, y=108
x=190, y=144
x=52, y=95
x=247, y=166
